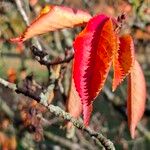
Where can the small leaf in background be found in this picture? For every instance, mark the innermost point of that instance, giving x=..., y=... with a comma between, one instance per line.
x=7, y=142
x=94, y=48
x=33, y=2
x=53, y=18
x=142, y=35
x=12, y=75
x=136, y=97
x=124, y=60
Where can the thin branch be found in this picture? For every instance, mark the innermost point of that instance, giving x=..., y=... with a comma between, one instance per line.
x=62, y=141
x=11, y=55
x=25, y=17
x=22, y=11
x=57, y=111
x=42, y=58
x=6, y=108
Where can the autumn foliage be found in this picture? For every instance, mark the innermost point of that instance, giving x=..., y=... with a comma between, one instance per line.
x=96, y=48
x=136, y=97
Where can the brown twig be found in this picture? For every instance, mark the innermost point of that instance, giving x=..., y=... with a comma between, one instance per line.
x=43, y=60
x=26, y=19
x=57, y=111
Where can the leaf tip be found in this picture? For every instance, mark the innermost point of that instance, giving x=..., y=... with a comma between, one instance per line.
x=132, y=132
x=17, y=40
x=114, y=88
x=87, y=110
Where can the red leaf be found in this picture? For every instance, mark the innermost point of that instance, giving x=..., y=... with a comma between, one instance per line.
x=94, y=48
x=53, y=18
x=136, y=97
x=123, y=60
x=74, y=106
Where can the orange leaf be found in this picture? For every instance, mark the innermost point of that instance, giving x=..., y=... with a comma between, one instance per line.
x=94, y=48
x=74, y=106
x=136, y=97
x=53, y=18
x=123, y=60
x=11, y=74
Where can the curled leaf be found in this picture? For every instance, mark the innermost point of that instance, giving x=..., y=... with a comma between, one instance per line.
x=123, y=60
x=136, y=97
x=94, y=48
x=53, y=18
